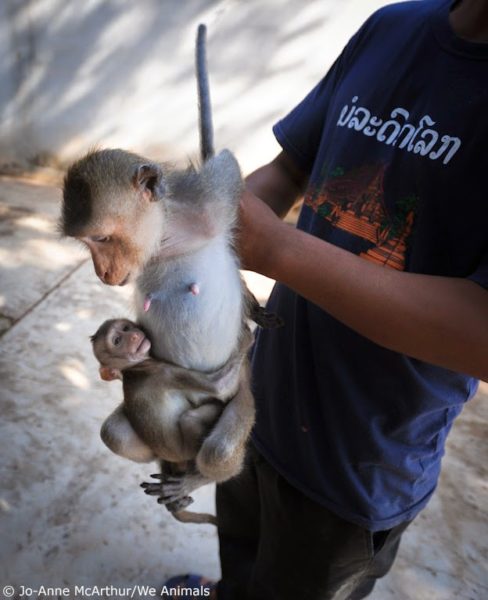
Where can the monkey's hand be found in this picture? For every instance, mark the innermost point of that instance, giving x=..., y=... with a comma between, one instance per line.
x=173, y=489
x=259, y=314
x=109, y=373
x=224, y=383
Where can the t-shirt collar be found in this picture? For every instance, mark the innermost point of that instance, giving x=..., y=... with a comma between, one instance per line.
x=449, y=40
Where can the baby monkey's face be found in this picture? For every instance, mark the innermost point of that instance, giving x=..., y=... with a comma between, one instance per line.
x=124, y=344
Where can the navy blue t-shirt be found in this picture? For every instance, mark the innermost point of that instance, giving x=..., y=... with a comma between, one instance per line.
x=395, y=139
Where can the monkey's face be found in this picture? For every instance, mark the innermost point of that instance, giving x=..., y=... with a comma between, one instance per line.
x=121, y=345
x=112, y=203
x=120, y=247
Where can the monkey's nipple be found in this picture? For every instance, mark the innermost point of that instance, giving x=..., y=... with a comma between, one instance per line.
x=147, y=303
x=194, y=289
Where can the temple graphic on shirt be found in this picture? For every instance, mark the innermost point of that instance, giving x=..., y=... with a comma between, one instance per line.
x=354, y=202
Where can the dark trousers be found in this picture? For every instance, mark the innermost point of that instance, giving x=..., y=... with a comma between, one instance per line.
x=277, y=544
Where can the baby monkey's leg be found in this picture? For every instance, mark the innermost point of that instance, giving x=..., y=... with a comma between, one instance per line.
x=196, y=423
x=118, y=435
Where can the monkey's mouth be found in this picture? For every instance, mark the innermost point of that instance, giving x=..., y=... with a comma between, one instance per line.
x=144, y=346
x=125, y=280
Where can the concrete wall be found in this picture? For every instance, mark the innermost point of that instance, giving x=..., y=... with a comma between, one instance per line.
x=120, y=73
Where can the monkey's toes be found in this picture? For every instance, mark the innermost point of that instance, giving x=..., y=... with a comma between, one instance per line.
x=178, y=505
x=152, y=489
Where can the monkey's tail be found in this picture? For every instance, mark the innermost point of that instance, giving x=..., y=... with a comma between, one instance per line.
x=204, y=104
x=187, y=516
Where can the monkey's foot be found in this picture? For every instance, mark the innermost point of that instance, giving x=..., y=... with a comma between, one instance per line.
x=178, y=504
x=173, y=488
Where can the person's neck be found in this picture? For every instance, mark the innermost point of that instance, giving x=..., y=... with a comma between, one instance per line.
x=469, y=20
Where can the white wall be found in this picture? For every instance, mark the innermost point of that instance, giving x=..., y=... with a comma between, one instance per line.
x=120, y=73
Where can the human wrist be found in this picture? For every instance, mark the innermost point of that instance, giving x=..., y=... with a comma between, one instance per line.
x=276, y=251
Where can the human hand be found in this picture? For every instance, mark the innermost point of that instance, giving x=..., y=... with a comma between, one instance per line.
x=260, y=234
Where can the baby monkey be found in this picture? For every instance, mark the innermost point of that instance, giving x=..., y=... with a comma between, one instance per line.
x=167, y=410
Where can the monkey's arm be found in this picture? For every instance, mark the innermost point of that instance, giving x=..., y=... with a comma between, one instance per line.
x=222, y=453
x=441, y=320
x=220, y=384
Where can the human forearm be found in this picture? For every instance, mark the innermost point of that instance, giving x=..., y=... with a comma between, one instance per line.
x=441, y=320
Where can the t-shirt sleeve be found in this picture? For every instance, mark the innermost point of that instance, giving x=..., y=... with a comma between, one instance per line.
x=480, y=275
x=300, y=132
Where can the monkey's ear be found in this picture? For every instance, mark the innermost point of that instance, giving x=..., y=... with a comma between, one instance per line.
x=109, y=373
x=150, y=177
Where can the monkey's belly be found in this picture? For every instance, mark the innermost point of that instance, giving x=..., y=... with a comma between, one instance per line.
x=198, y=331
x=157, y=423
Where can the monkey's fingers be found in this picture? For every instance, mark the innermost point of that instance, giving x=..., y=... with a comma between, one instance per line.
x=173, y=500
x=260, y=315
x=173, y=489
x=265, y=319
x=152, y=489
x=164, y=479
x=174, y=479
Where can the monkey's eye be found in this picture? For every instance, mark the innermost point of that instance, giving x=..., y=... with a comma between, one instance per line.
x=101, y=239
x=116, y=341
x=126, y=328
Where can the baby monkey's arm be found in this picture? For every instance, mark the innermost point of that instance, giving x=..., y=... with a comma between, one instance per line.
x=220, y=384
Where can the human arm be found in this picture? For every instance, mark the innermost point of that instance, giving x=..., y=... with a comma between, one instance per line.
x=440, y=320
x=279, y=184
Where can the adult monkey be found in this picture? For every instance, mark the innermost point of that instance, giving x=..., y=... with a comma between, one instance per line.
x=170, y=232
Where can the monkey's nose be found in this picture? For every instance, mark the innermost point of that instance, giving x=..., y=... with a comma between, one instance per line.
x=102, y=275
x=107, y=278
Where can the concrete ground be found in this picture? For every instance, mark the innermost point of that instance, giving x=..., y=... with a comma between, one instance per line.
x=71, y=513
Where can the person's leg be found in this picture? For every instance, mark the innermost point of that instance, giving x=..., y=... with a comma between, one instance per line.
x=385, y=547
x=305, y=551
x=277, y=544
x=238, y=517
